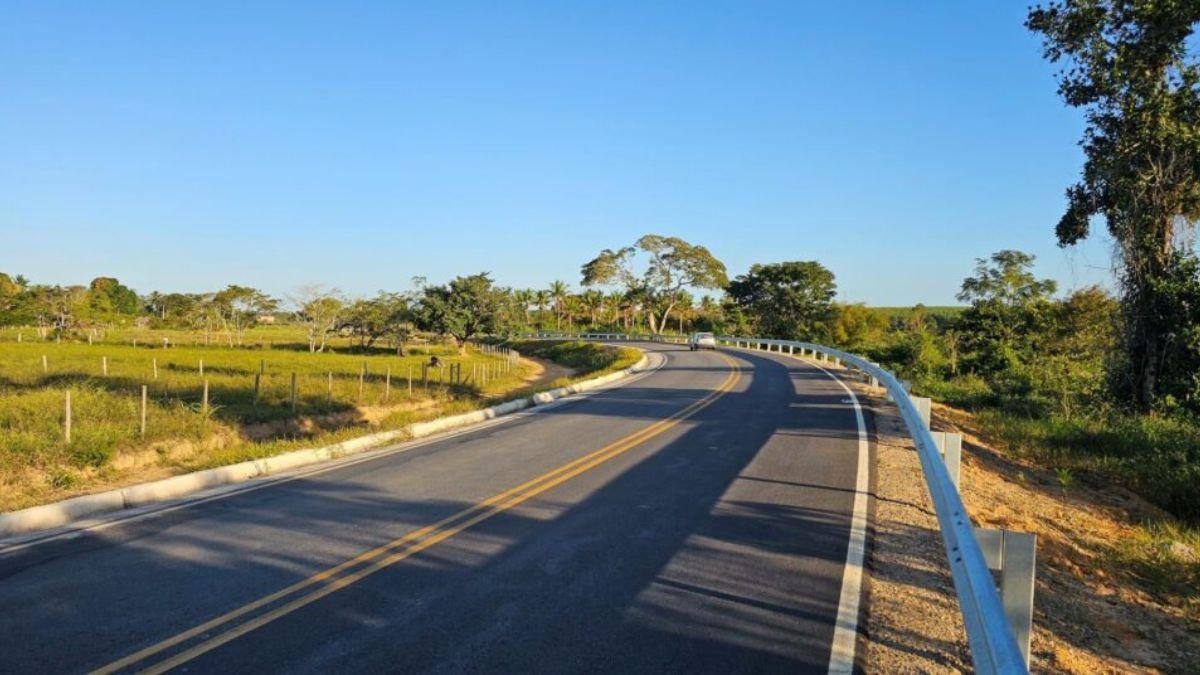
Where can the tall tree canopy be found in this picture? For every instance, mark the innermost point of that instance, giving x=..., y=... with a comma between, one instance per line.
x=465, y=307
x=788, y=300
x=109, y=296
x=1126, y=63
x=671, y=265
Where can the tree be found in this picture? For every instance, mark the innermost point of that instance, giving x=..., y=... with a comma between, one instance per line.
x=788, y=300
x=591, y=304
x=1128, y=67
x=10, y=291
x=559, y=291
x=108, y=296
x=386, y=315
x=541, y=299
x=465, y=307
x=321, y=312
x=1008, y=304
x=238, y=308
x=524, y=298
x=856, y=326
x=1078, y=343
x=672, y=265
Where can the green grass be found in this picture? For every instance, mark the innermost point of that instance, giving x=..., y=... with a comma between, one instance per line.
x=583, y=356
x=1156, y=457
x=37, y=463
x=1165, y=559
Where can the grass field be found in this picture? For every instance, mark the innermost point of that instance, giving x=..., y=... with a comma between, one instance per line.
x=337, y=395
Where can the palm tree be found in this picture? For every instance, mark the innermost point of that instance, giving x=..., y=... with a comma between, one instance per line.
x=558, y=291
x=593, y=302
x=541, y=299
x=572, y=309
x=613, y=307
x=523, y=297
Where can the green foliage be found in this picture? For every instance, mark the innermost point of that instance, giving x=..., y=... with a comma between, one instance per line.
x=386, y=316
x=1165, y=556
x=856, y=326
x=582, y=357
x=1076, y=345
x=1169, y=308
x=789, y=300
x=465, y=307
x=1158, y=457
x=109, y=296
x=1008, y=308
x=1065, y=478
x=1128, y=66
x=672, y=265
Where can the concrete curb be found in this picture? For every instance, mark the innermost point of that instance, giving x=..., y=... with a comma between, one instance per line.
x=65, y=512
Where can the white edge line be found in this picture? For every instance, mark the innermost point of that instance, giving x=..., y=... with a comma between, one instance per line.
x=845, y=632
x=232, y=489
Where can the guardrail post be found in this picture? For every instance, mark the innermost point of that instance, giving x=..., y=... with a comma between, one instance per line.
x=1014, y=556
x=923, y=406
x=950, y=446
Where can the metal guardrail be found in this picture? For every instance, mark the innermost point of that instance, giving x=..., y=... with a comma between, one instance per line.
x=994, y=647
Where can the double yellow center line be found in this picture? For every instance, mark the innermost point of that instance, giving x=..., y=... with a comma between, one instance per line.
x=224, y=628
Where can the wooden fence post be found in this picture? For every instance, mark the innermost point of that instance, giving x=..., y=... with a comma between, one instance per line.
x=201, y=367
x=45, y=365
x=143, y=410
x=293, y=392
x=67, y=417
x=204, y=401
x=104, y=365
x=329, y=387
x=410, y=380
x=387, y=385
x=154, y=362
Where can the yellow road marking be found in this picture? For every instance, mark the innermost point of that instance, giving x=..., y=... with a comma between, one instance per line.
x=407, y=545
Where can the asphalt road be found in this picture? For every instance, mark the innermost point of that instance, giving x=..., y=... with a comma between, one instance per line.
x=692, y=520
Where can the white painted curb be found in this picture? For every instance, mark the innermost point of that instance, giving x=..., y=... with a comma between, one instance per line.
x=67, y=511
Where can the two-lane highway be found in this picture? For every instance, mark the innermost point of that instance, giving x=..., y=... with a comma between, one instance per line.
x=693, y=519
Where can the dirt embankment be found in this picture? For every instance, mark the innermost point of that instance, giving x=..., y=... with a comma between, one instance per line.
x=1091, y=615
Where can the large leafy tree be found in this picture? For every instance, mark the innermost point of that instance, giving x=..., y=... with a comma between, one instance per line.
x=385, y=316
x=108, y=296
x=1008, y=307
x=465, y=307
x=788, y=300
x=655, y=269
x=1126, y=63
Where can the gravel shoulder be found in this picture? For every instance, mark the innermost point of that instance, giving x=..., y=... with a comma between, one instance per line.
x=1090, y=616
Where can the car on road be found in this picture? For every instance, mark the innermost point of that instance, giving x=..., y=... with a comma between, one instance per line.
x=702, y=341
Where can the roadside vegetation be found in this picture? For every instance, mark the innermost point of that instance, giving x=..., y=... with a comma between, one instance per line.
x=343, y=391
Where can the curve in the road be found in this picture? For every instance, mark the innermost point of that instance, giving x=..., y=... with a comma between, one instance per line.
x=332, y=580
x=680, y=522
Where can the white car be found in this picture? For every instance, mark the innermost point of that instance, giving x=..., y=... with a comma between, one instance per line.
x=702, y=341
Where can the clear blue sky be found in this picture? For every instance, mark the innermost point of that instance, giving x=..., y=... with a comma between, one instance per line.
x=183, y=146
